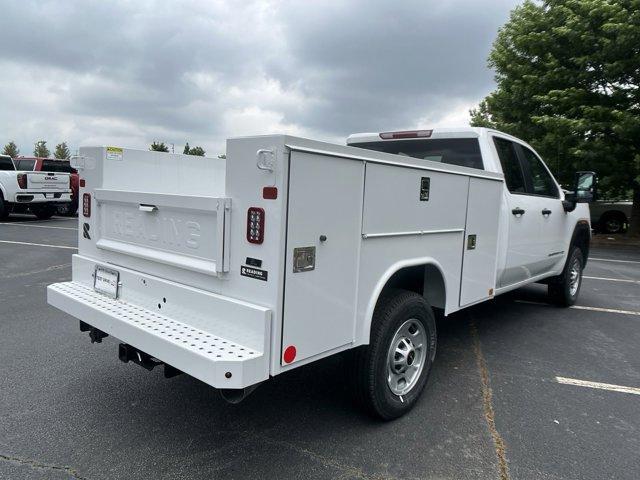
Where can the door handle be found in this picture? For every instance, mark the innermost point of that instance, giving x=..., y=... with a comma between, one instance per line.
x=546, y=212
x=517, y=211
x=147, y=208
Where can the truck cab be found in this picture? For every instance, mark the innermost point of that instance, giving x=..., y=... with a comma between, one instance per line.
x=537, y=224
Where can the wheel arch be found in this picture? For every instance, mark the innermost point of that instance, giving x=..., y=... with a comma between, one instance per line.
x=421, y=275
x=581, y=238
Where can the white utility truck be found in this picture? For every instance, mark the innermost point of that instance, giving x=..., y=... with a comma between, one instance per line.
x=291, y=250
x=41, y=192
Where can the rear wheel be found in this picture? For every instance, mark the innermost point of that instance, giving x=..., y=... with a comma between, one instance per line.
x=43, y=212
x=390, y=373
x=565, y=289
x=5, y=209
x=67, y=208
x=613, y=222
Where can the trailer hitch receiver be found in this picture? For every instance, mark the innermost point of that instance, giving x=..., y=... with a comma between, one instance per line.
x=127, y=353
x=95, y=335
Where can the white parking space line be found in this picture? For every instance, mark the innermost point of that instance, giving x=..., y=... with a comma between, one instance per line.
x=606, y=310
x=581, y=307
x=612, y=279
x=613, y=260
x=39, y=244
x=598, y=385
x=36, y=226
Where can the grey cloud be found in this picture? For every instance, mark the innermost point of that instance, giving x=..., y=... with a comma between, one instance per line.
x=183, y=69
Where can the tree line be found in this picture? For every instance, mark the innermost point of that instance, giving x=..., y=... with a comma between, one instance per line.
x=40, y=150
x=62, y=152
x=162, y=147
x=568, y=82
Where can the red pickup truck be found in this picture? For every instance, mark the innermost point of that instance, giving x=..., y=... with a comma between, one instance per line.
x=37, y=164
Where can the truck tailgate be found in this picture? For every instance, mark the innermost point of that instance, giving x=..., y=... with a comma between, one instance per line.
x=183, y=231
x=51, y=182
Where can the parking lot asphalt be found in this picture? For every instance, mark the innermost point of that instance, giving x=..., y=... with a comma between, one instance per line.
x=493, y=408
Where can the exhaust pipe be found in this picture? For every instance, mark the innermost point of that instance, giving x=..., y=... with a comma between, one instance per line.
x=236, y=395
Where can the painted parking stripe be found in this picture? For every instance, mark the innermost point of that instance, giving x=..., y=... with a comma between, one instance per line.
x=35, y=226
x=38, y=244
x=598, y=385
x=624, y=280
x=613, y=260
x=581, y=307
x=606, y=310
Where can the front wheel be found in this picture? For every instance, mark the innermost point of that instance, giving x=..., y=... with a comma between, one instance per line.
x=565, y=289
x=390, y=373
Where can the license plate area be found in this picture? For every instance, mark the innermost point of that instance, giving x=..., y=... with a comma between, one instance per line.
x=105, y=281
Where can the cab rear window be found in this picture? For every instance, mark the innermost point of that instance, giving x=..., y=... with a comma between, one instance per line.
x=464, y=152
x=6, y=163
x=62, y=166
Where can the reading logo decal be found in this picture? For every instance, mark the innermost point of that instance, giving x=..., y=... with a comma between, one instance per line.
x=254, y=273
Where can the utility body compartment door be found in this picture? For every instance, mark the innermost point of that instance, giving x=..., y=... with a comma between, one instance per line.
x=481, y=241
x=322, y=250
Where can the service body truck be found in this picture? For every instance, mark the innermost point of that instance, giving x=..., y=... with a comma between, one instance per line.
x=291, y=250
x=40, y=192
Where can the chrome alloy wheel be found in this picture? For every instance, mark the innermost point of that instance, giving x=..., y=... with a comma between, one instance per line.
x=406, y=357
x=574, y=277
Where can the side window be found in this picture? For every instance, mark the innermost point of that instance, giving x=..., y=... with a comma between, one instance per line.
x=25, y=164
x=510, y=165
x=541, y=181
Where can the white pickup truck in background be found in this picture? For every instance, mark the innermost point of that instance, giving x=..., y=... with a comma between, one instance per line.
x=291, y=250
x=40, y=192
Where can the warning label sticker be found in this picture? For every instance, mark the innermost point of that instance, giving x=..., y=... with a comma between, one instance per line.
x=114, y=153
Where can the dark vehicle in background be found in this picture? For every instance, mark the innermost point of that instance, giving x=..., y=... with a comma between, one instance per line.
x=610, y=216
x=37, y=164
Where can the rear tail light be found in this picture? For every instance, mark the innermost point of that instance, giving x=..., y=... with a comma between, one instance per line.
x=86, y=204
x=22, y=180
x=255, y=225
x=406, y=134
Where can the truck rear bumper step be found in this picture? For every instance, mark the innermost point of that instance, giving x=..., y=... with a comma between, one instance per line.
x=203, y=354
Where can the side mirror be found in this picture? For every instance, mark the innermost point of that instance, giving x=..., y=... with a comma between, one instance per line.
x=586, y=186
x=585, y=190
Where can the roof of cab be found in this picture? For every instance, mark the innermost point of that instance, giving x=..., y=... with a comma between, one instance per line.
x=453, y=132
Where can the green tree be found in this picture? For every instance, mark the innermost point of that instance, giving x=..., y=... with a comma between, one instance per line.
x=158, y=147
x=40, y=149
x=193, y=151
x=481, y=117
x=62, y=151
x=199, y=151
x=568, y=81
x=11, y=149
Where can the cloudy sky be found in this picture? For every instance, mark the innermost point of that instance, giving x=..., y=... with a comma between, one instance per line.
x=129, y=72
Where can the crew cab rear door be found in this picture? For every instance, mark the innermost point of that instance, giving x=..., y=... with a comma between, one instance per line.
x=522, y=215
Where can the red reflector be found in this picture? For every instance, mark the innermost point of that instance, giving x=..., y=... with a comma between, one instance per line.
x=82, y=182
x=270, y=193
x=22, y=180
x=290, y=354
x=86, y=205
x=255, y=225
x=406, y=134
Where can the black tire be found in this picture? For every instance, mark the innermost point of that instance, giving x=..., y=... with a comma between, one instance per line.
x=68, y=209
x=372, y=363
x=5, y=209
x=43, y=212
x=613, y=222
x=562, y=291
